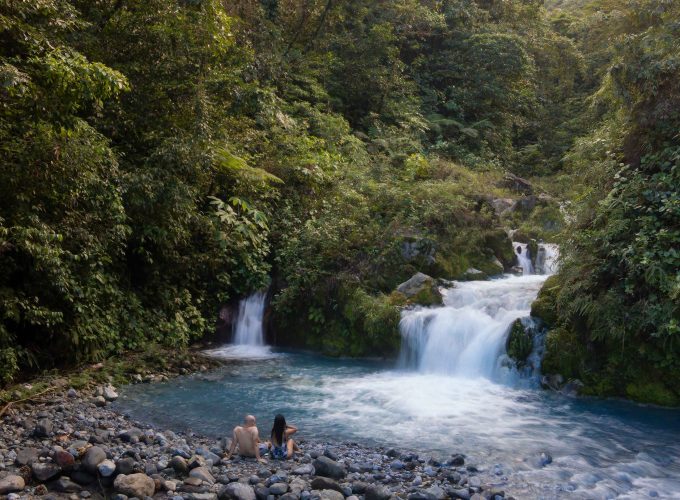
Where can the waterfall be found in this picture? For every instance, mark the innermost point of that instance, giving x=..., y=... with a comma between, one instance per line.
x=546, y=258
x=248, y=327
x=248, y=332
x=466, y=337
x=523, y=257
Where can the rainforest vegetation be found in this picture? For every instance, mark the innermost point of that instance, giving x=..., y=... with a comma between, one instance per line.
x=161, y=158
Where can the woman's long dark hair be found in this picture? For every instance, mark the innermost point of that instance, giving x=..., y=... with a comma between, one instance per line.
x=279, y=429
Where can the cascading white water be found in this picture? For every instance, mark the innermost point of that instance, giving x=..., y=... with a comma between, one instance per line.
x=466, y=337
x=248, y=336
x=546, y=258
x=523, y=257
x=248, y=328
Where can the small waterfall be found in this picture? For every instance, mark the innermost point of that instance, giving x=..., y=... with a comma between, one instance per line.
x=248, y=327
x=523, y=257
x=248, y=331
x=546, y=258
x=466, y=337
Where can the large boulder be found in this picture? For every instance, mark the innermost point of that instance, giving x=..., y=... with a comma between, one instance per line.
x=516, y=183
x=135, y=485
x=326, y=467
x=421, y=289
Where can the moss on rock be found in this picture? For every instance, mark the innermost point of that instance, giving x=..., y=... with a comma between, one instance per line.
x=519, y=343
x=545, y=306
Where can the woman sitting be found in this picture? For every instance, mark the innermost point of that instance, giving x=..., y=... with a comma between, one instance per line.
x=282, y=445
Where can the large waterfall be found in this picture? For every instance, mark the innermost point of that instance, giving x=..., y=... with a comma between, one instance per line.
x=466, y=337
x=248, y=331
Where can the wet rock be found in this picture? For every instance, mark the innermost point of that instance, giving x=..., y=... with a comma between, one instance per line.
x=106, y=468
x=45, y=471
x=26, y=456
x=92, y=458
x=328, y=452
x=421, y=289
x=65, y=485
x=324, y=466
x=202, y=473
x=262, y=493
x=135, y=485
x=359, y=487
x=325, y=483
x=435, y=493
x=11, y=484
x=236, y=491
x=456, y=460
x=376, y=492
x=540, y=460
x=132, y=435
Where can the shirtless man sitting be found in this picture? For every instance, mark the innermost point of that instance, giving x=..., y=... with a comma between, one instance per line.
x=247, y=438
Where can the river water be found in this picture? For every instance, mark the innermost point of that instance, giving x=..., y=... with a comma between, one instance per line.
x=452, y=391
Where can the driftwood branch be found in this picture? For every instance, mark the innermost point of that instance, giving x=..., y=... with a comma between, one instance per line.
x=23, y=400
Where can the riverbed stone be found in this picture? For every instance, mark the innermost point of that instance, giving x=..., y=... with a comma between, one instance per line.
x=92, y=458
x=421, y=289
x=44, y=471
x=325, y=483
x=11, y=484
x=135, y=485
x=125, y=465
x=106, y=468
x=324, y=466
x=26, y=456
x=179, y=464
x=43, y=428
x=304, y=470
x=376, y=492
x=236, y=491
x=110, y=393
x=202, y=473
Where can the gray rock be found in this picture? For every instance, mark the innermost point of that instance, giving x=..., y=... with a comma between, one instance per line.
x=99, y=401
x=435, y=493
x=324, y=466
x=125, y=465
x=376, y=492
x=327, y=495
x=459, y=493
x=72, y=393
x=92, y=458
x=202, y=473
x=43, y=428
x=65, y=485
x=26, y=456
x=44, y=471
x=237, y=491
x=325, y=483
x=199, y=496
x=474, y=482
x=304, y=470
x=289, y=496
x=106, y=468
x=135, y=485
x=11, y=484
x=262, y=493
x=83, y=477
x=132, y=435
x=278, y=488
x=196, y=461
x=456, y=460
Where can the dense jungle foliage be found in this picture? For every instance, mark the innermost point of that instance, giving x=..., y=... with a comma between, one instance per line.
x=163, y=157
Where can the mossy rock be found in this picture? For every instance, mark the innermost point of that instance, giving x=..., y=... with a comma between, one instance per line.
x=501, y=246
x=565, y=353
x=652, y=392
x=544, y=307
x=519, y=343
x=421, y=289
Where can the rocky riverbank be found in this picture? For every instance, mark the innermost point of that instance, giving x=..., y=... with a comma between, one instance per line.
x=75, y=446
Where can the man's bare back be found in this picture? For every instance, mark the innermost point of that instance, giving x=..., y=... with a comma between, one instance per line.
x=247, y=438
